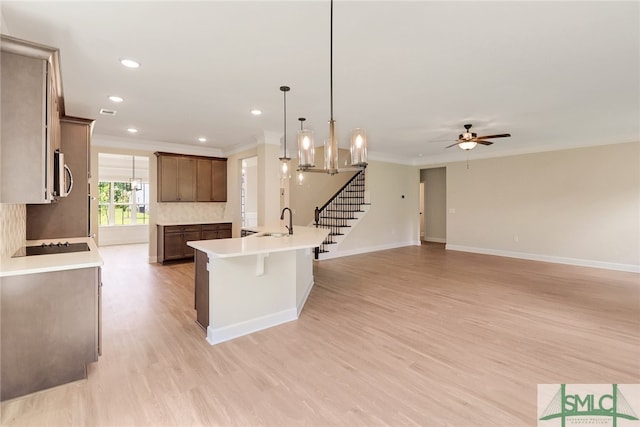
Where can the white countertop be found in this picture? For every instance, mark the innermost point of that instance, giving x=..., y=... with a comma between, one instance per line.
x=55, y=262
x=166, y=224
x=302, y=238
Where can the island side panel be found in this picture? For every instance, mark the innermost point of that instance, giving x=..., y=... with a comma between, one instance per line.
x=202, y=289
x=242, y=301
x=304, y=276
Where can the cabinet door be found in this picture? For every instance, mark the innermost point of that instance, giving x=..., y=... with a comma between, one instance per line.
x=219, y=178
x=189, y=236
x=26, y=168
x=168, y=179
x=204, y=180
x=186, y=179
x=173, y=246
x=69, y=217
x=209, y=234
x=225, y=233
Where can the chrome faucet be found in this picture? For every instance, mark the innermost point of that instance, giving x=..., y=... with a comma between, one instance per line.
x=290, y=226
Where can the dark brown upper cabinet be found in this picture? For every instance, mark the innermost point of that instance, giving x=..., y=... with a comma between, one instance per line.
x=183, y=178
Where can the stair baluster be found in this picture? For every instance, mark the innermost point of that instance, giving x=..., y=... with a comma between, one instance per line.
x=342, y=207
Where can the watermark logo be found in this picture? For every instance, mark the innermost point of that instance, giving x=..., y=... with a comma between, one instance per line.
x=615, y=405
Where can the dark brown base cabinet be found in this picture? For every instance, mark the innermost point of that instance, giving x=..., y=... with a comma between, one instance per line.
x=172, y=239
x=50, y=329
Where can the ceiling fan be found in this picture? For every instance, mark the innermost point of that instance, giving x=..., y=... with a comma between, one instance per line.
x=469, y=140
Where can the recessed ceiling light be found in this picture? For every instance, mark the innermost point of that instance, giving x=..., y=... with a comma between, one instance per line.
x=202, y=139
x=132, y=130
x=130, y=63
x=256, y=112
x=115, y=98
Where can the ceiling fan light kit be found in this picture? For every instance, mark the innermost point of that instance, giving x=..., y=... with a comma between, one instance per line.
x=468, y=140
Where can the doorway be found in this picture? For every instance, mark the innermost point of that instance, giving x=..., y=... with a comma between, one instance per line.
x=433, y=205
x=249, y=192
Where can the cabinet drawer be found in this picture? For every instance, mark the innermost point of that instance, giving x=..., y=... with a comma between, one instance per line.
x=181, y=228
x=216, y=227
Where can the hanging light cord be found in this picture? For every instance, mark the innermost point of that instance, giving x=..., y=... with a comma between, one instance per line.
x=331, y=59
x=285, y=124
x=284, y=90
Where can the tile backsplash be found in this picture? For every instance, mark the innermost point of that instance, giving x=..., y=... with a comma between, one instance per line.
x=190, y=212
x=13, y=228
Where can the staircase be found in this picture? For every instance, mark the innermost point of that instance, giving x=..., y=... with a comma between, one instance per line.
x=340, y=214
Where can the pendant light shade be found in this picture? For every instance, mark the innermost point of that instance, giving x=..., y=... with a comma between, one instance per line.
x=358, y=147
x=306, y=147
x=135, y=183
x=331, y=150
x=284, y=160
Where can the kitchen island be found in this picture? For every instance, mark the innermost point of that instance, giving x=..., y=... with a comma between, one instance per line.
x=252, y=283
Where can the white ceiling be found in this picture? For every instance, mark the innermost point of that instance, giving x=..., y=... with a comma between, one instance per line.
x=412, y=73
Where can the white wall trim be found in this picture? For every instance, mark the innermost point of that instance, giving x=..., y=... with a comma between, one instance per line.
x=98, y=140
x=306, y=295
x=123, y=234
x=631, y=268
x=226, y=333
x=153, y=260
x=358, y=251
x=435, y=239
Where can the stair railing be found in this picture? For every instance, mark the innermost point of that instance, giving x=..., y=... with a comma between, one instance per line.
x=336, y=212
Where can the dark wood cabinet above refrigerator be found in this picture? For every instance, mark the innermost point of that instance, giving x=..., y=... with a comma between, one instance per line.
x=67, y=216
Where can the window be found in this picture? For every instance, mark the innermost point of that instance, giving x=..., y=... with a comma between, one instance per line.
x=120, y=202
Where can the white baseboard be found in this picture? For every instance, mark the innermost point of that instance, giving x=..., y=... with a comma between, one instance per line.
x=548, y=258
x=358, y=251
x=226, y=333
x=435, y=239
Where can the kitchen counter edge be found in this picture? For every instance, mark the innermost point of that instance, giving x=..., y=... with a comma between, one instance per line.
x=56, y=262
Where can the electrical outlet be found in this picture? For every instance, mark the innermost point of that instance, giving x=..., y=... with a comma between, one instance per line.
x=452, y=210
x=516, y=238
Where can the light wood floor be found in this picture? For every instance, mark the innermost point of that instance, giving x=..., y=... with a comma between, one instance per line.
x=411, y=336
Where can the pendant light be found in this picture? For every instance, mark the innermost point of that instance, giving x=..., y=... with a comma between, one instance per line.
x=284, y=160
x=306, y=148
x=135, y=184
x=358, y=136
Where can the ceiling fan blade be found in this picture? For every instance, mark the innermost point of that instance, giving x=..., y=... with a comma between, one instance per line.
x=452, y=145
x=484, y=142
x=502, y=135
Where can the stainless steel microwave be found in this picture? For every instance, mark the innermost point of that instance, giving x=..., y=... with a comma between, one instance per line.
x=62, y=176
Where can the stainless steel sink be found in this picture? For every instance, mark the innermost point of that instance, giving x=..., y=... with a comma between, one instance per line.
x=273, y=235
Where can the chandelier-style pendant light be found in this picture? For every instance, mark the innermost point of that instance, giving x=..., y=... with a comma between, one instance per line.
x=358, y=136
x=284, y=160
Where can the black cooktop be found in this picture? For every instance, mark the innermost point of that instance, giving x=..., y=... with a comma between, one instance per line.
x=54, y=248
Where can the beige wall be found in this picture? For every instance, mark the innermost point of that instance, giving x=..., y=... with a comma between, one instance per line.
x=579, y=206
x=392, y=221
x=234, y=176
x=269, y=180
